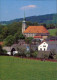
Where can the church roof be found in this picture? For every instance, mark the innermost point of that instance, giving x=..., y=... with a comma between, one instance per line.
x=36, y=29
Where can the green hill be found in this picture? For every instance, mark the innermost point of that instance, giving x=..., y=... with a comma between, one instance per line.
x=48, y=19
x=52, y=32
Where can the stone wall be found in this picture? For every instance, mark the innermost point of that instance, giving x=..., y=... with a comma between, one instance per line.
x=43, y=54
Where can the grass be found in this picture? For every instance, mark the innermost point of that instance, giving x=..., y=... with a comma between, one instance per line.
x=12, y=68
x=53, y=32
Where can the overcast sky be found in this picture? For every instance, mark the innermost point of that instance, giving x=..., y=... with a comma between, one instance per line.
x=12, y=9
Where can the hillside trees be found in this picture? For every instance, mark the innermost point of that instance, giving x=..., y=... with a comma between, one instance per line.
x=14, y=28
x=18, y=36
x=5, y=32
x=9, y=40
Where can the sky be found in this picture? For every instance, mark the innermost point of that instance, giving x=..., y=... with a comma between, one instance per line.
x=12, y=9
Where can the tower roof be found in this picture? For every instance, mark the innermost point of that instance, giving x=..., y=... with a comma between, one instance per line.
x=24, y=19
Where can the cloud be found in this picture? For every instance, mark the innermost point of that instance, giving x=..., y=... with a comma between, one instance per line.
x=28, y=7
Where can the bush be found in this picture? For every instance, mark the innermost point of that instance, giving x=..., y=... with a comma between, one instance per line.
x=52, y=54
x=16, y=54
x=46, y=56
x=1, y=50
x=27, y=54
x=34, y=54
x=21, y=50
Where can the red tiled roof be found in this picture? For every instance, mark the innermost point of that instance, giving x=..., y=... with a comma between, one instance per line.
x=36, y=29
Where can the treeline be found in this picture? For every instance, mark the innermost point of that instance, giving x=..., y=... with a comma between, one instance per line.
x=14, y=30
x=47, y=19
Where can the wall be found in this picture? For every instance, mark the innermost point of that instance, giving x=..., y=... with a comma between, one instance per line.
x=29, y=34
x=43, y=54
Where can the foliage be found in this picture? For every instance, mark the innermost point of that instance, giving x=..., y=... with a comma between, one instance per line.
x=28, y=40
x=52, y=53
x=1, y=50
x=5, y=32
x=1, y=37
x=34, y=54
x=21, y=50
x=21, y=36
x=27, y=54
x=52, y=32
x=9, y=40
x=16, y=37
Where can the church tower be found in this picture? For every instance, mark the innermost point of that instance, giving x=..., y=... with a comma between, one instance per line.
x=23, y=24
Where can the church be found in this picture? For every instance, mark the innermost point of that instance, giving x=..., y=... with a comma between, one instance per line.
x=38, y=32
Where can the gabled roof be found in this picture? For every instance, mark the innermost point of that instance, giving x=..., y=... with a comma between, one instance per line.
x=36, y=29
x=50, y=42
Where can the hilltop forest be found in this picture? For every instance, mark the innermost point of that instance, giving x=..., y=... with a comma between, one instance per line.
x=47, y=19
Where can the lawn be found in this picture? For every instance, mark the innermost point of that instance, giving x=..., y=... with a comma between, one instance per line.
x=14, y=68
x=52, y=32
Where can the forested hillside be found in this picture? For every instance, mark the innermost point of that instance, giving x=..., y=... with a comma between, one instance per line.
x=47, y=19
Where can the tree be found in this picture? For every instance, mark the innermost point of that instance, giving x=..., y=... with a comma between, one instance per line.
x=21, y=36
x=21, y=50
x=5, y=32
x=9, y=40
x=1, y=50
x=28, y=40
x=35, y=24
x=15, y=27
x=18, y=36
x=1, y=37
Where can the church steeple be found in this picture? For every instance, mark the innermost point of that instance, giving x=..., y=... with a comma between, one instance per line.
x=24, y=19
x=24, y=14
x=24, y=23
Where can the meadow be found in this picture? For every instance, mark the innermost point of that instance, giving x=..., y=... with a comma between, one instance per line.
x=15, y=68
x=52, y=32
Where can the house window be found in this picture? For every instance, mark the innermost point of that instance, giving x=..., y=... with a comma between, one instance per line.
x=44, y=46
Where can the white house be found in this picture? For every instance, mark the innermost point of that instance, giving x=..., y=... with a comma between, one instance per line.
x=43, y=46
x=48, y=46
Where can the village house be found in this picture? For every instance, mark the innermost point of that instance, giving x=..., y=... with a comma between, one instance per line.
x=48, y=46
